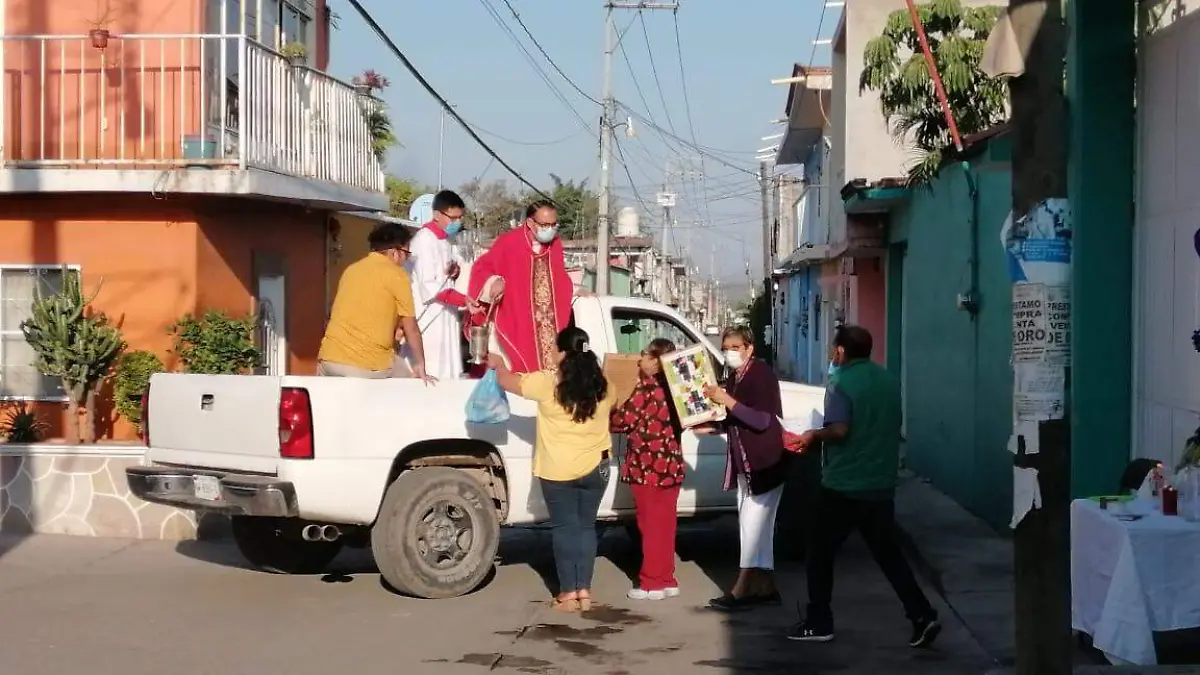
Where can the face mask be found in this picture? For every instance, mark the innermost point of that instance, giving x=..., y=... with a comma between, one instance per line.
x=545, y=235
x=453, y=228
x=833, y=368
x=734, y=359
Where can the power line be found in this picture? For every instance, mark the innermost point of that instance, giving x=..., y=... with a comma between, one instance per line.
x=687, y=107
x=440, y=99
x=553, y=65
x=533, y=62
x=654, y=70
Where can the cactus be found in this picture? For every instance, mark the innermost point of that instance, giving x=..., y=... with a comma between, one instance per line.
x=76, y=345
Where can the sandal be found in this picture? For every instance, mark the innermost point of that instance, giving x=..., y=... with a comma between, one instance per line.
x=585, y=603
x=566, y=604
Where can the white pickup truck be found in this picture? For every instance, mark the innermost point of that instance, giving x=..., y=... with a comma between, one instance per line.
x=305, y=465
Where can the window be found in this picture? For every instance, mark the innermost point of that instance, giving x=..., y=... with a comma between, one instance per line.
x=20, y=287
x=635, y=329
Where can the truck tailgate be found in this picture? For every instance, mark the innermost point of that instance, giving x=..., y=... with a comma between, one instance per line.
x=226, y=422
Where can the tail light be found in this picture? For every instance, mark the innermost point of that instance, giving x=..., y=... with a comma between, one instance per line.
x=144, y=431
x=295, y=424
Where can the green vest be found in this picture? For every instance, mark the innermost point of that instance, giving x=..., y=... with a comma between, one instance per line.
x=868, y=458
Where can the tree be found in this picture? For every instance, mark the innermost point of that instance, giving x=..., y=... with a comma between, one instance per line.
x=578, y=208
x=894, y=66
x=402, y=192
x=375, y=112
x=491, y=206
x=76, y=345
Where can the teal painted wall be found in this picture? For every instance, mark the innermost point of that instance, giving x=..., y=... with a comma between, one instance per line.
x=958, y=381
x=619, y=283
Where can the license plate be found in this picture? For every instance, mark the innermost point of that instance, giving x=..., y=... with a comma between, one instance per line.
x=207, y=488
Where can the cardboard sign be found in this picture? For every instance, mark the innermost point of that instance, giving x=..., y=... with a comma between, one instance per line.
x=621, y=370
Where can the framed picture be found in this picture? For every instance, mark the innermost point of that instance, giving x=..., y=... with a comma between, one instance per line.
x=688, y=372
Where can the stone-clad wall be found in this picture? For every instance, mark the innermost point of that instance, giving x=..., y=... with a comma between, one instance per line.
x=81, y=490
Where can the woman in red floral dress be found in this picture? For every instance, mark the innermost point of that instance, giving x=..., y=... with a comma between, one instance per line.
x=653, y=467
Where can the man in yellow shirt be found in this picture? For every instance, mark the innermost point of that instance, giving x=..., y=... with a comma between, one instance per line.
x=373, y=308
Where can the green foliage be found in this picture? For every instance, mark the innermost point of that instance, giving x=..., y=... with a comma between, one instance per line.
x=216, y=344
x=894, y=66
x=21, y=425
x=73, y=344
x=375, y=112
x=131, y=380
x=402, y=192
x=294, y=50
x=578, y=208
x=1191, y=452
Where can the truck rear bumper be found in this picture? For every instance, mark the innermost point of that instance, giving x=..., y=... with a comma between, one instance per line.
x=204, y=489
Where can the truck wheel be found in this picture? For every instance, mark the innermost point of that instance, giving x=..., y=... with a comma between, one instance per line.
x=267, y=547
x=437, y=533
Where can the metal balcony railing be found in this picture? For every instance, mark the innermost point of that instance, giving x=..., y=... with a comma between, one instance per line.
x=177, y=101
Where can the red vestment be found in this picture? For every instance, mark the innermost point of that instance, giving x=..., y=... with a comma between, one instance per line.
x=536, y=304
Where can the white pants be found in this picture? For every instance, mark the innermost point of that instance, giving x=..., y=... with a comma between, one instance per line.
x=756, y=525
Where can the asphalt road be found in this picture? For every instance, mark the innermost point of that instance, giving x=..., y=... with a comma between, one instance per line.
x=112, y=607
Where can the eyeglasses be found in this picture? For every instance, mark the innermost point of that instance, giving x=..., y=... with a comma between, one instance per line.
x=541, y=224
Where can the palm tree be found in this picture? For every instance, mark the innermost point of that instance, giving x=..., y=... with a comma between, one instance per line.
x=894, y=66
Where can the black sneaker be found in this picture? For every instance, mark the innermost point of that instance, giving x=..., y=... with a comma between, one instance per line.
x=924, y=633
x=808, y=631
x=728, y=603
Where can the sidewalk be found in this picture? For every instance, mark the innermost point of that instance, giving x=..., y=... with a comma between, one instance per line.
x=971, y=566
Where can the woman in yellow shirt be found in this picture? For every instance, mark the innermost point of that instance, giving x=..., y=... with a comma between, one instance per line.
x=571, y=456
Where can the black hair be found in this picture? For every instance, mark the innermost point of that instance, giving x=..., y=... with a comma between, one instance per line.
x=448, y=199
x=581, y=381
x=856, y=340
x=659, y=346
x=388, y=236
x=539, y=205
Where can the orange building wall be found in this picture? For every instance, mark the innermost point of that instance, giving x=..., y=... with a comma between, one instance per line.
x=156, y=260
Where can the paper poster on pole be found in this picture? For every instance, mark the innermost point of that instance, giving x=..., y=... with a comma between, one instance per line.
x=1041, y=323
x=1039, y=391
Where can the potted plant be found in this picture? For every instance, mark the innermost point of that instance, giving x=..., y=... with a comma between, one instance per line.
x=296, y=54
x=99, y=33
x=99, y=37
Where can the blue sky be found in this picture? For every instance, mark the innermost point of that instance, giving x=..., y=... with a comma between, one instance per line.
x=731, y=51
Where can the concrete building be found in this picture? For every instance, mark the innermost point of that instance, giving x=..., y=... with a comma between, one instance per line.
x=171, y=150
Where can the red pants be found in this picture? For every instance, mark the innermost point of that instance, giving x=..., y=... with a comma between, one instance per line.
x=656, y=521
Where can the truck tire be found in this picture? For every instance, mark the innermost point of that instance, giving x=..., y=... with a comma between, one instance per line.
x=437, y=533
x=265, y=544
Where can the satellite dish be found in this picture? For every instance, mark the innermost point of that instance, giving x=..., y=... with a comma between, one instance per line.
x=421, y=211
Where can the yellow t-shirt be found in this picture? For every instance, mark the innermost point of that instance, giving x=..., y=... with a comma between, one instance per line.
x=565, y=449
x=372, y=295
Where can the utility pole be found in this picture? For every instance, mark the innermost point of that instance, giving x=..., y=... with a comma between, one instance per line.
x=607, y=124
x=1041, y=541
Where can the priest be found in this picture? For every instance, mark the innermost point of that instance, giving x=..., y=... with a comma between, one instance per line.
x=523, y=276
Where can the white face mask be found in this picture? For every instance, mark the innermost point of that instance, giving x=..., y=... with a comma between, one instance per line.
x=734, y=359
x=545, y=235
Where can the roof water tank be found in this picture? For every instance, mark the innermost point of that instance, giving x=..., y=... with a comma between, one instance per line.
x=628, y=222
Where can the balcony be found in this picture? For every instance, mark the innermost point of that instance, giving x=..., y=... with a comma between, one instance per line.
x=198, y=114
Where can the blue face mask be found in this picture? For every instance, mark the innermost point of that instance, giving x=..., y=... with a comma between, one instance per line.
x=453, y=228
x=545, y=235
x=833, y=368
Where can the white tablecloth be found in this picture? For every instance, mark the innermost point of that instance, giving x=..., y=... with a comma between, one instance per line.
x=1131, y=579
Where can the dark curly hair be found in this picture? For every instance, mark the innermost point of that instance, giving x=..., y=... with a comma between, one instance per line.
x=581, y=381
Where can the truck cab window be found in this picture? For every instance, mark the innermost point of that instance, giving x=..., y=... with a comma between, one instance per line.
x=635, y=329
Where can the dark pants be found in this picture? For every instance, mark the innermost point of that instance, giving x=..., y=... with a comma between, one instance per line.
x=573, y=505
x=657, y=520
x=838, y=514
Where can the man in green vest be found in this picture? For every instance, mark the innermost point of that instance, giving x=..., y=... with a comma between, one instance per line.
x=860, y=467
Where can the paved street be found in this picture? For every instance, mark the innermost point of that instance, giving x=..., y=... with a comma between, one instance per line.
x=108, y=607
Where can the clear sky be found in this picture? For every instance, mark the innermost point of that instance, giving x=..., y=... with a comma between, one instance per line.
x=730, y=52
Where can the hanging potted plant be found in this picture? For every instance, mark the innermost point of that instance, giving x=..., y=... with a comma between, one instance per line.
x=99, y=37
x=296, y=54
x=99, y=33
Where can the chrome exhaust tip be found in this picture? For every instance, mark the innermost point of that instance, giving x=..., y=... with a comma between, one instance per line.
x=311, y=533
x=330, y=532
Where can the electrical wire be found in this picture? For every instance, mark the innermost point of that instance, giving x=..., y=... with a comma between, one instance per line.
x=553, y=65
x=491, y=10
x=382, y=35
x=654, y=70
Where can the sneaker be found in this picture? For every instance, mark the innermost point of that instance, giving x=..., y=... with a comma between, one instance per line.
x=808, y=631
x=728, y=603
x=671, y=592
x=640, y=594
x=924, y=633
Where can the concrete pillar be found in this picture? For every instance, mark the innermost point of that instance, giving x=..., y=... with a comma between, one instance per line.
x=1101, y=69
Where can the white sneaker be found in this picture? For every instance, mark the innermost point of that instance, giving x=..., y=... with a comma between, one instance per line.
x=672, y=592
x=639, y=594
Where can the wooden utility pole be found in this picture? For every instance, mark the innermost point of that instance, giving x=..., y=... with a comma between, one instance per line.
x=1039, y=172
